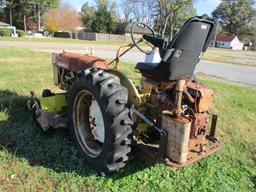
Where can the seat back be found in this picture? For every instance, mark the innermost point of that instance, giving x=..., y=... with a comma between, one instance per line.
x=182, y=54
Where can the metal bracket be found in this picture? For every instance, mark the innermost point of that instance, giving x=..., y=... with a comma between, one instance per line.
x=211, y=136
x=163, y=133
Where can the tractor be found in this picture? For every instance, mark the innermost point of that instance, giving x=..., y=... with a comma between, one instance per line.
x=110, y=120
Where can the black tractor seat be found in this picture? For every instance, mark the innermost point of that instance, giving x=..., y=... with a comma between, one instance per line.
x=147, y=69
x=181, y=55
x=146, y=66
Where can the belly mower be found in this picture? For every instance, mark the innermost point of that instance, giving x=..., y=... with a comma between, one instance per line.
x=167, y=118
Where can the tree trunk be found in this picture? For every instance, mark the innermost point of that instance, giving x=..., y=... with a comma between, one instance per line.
x=10, y=6
x=39, y=19
x=25, y=22
x=164, y=26
x=172, y=30
x=173, y=23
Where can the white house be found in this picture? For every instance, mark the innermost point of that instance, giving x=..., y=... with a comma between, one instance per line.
x=7, y=26
x=228, y=42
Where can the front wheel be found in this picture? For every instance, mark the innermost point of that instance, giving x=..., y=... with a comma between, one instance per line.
x=99, y=120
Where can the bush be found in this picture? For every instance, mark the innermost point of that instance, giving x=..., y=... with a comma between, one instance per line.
x=21, y=33
x=5, y=32
x=62, y=34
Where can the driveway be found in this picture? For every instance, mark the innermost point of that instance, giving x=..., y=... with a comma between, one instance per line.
x=237, y=73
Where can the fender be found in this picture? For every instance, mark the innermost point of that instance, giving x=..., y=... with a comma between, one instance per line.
x=133, y=94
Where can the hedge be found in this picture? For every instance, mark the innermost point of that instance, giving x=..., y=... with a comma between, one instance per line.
x=5, y=32
x=21, y=33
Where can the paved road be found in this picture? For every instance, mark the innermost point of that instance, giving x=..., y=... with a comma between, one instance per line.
x=231, y=72
x=238, y=73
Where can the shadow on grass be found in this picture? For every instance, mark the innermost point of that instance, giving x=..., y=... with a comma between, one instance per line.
x=253, y=179
x=53, y=150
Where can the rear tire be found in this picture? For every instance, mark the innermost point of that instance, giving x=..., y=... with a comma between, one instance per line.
x=103, y=88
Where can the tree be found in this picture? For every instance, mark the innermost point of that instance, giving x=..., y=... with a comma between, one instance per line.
x=51, y=21
x=177, y=20
x=87, y=16
x=2, y=13
x=2, y=3
x=10, y=6
x=55, y=20
x=31, y=24
x=70, y=20
x=104, y=21
x=138, y=10
x=41, y=6
x=236, y=16
x=17, y=12
x=100, y=19
x=126, y=9
x=168, y=10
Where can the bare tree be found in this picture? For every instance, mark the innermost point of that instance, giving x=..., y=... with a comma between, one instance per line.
x=156, y=13
x=126, y=10
x=137, y=10
x=169, y=9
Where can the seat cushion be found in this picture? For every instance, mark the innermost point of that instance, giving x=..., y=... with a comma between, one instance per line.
x=146, y=66
x=147, y=69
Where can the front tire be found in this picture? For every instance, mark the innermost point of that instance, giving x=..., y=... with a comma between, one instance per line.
x=106, y=142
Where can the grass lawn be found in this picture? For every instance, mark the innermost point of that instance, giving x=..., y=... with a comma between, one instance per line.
x=34, y=161
x=59, y=40
x=232, y=57
x=212, y=54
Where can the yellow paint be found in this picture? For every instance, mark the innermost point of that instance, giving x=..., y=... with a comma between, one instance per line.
x=141, y=127
x=53, y=103
x=133, y=95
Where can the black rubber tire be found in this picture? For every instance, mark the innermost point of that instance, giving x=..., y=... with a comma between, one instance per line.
x=112, y=98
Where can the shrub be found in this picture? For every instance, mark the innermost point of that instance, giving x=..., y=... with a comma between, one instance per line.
x=5, y=32
x=21, y=33
x=62, y=34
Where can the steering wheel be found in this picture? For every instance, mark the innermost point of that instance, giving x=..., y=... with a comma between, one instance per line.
x=145, y=29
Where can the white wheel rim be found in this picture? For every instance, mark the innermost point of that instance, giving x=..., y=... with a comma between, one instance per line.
x=88, y=123
x=96, y=122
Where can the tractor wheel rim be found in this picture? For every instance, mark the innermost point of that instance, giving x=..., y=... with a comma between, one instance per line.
x=88, y=123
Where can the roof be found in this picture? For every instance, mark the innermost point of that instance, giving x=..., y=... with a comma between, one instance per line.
x=127, y=26
x=4, y=24
x=227, y=38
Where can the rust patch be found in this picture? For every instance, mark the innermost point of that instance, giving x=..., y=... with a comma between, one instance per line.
x=203, y=96
x=78, y=62
x=199, y=125
x=149, y=154
x=195, y=156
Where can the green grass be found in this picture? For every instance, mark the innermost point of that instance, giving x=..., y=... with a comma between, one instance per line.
x=228, y=59
x=34, y=161
x=59, y=40
x=212, y=54
x=252, y=53
x=220, y=55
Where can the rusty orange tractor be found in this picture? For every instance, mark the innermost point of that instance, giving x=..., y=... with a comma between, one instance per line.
x=167, y=118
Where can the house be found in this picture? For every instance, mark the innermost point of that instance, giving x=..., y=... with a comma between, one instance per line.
x=228, y=42
x=126, y=27
x=7, y=26
x=4, y=25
